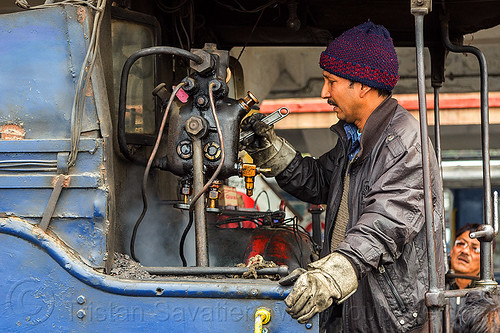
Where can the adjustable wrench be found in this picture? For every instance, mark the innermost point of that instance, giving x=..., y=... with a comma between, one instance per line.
x=272, y=118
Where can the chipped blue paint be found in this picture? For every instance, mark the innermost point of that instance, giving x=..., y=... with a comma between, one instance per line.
x=42, y=52
x=44, y=287
x=51, y=282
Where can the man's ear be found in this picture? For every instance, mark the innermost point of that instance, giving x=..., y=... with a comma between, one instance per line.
x=364, y=90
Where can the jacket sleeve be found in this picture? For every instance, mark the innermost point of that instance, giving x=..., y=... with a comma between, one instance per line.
x=392, y=209
x=308, y=179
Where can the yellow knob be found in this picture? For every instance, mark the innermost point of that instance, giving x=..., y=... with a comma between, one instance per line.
x=262, y=317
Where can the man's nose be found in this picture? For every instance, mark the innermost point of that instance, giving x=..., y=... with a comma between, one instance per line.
x=466, y=250
x=325, y=93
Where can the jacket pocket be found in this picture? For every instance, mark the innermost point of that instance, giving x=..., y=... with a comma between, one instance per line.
x=392, y=288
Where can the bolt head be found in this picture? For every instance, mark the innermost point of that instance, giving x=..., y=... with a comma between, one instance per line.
x=194, y=125
x=80, y=299
x=206, y=64
x=201, y=101
x=81, y=314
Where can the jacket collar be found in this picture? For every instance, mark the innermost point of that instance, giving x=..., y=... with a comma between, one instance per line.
x=374, y=126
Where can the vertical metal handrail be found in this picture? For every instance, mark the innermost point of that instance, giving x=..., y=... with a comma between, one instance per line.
x=419, y=9
x=487, y=233
x=437, y=130
x=199, y=209
x=437, y=148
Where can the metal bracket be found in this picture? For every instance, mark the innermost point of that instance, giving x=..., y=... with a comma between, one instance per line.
x=435, y=299
x=62, y=163
x=421, y=6
x=485, y=233
x=60, y=182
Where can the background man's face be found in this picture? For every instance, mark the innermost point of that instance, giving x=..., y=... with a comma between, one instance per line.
x=464, y=255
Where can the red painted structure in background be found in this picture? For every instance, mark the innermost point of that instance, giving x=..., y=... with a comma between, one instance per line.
x=408, y=101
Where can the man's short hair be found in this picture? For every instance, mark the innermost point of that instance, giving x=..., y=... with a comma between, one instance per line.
x=480, y=314
x=380, y=92
x=471, y=227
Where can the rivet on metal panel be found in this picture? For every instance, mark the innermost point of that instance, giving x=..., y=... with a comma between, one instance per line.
x=67, y=266
x=254, y=292
x=80, y=299
x=81, y=314
x=309, y=326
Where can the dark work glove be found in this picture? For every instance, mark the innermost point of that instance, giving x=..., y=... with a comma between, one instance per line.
x=266, y=148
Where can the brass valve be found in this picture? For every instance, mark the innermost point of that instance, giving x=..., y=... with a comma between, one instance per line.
x=248, y=101
x=213, y=193
x=249, y=171
x=186, y=191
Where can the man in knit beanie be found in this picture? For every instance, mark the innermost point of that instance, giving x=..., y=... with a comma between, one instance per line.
x=373, y=267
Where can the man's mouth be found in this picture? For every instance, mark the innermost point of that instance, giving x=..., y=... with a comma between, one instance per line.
x=463, y=259
x=335, y=106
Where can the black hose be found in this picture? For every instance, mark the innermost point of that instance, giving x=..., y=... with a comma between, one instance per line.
x=136, y=226
x=183, y=238
x=122, y=101
x=148, y=168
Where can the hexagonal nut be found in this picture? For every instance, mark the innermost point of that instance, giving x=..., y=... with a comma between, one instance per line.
x=207, y=63
x=194, y=125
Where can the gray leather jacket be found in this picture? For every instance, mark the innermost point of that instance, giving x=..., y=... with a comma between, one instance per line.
x=385, y=238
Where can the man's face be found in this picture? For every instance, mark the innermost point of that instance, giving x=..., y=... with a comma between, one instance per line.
x=343, y=96
x=465, y=255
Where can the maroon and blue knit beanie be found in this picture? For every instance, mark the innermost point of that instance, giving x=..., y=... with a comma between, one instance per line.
x=363, y=54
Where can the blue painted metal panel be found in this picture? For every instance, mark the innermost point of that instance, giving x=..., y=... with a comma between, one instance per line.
x=87, y=172
x=90, y=240
x=44, y=288
x=73, y=203
x=42, y=52
x=47, y=145
x=45, y=181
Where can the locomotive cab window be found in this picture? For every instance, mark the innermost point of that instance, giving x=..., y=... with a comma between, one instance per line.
x=130, y=33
